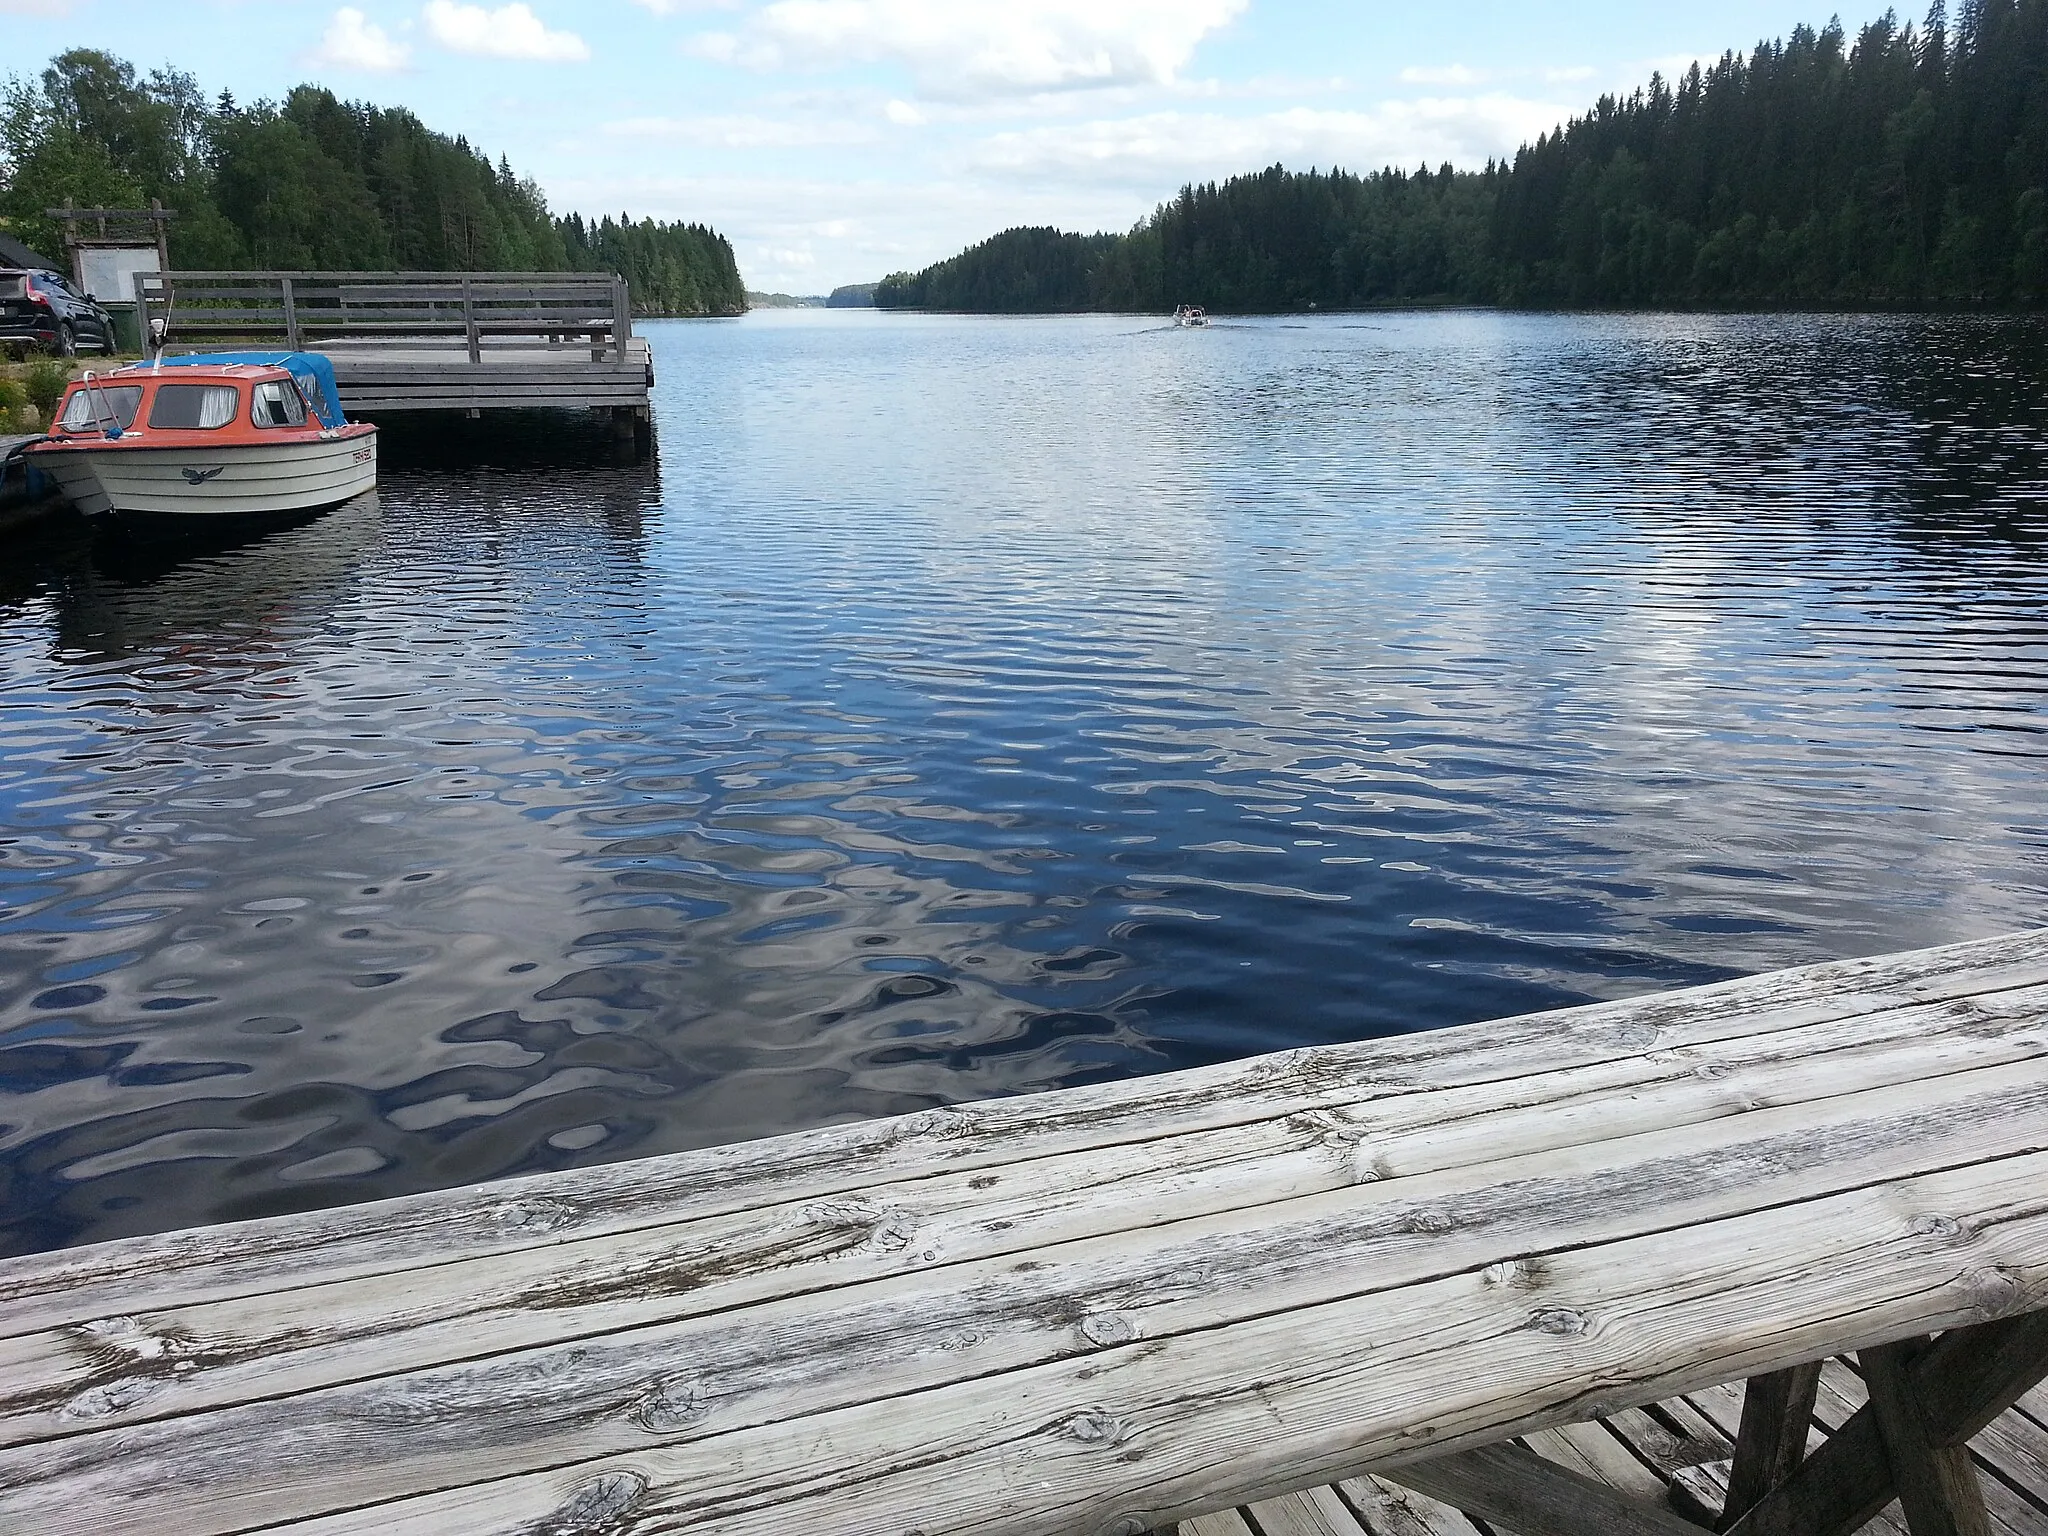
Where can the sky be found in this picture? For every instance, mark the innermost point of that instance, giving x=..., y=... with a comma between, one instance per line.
x=836, y=141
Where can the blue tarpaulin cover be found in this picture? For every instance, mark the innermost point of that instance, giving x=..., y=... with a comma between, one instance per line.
x=314, y=373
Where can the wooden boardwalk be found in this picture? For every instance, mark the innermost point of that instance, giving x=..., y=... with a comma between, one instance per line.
x=1509, y=1267
x=426, y=341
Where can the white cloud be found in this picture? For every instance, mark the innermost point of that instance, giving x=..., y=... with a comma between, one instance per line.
x=510, y=32
x=353, y=41
x=741, y=131
x=671, y=7
x=904, y=115
x=1454, y=74
x=1162, y=150
x=955, y=48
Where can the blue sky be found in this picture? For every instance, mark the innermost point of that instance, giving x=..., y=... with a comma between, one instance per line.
x=838, y=140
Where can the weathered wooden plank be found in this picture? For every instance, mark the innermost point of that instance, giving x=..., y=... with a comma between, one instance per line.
x=516, y=1214
x=1668, y=1436
x=1777, y=1417
x=1936, y=1484
x=1311, y=1512
x=69, y=1379
x=1513, y=1486
x=1227, y=1522
x=1138, y=1431
x=375, y=406
x=1387, y=1509
x=1590, y=1450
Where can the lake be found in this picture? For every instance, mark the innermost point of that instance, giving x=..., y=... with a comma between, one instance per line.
x=960, y=707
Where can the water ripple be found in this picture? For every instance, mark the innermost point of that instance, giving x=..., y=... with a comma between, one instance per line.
x=962, y=707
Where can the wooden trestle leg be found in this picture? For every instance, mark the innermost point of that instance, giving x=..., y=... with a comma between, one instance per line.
x=1911, y=1441
x=1928, y=1399
x=1777, y=1415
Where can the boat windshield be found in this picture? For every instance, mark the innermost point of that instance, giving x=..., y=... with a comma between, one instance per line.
x=201, y=406
x=91, y=406
x=278, y=405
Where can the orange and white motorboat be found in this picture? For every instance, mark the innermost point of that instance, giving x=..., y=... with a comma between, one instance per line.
x=199, y=439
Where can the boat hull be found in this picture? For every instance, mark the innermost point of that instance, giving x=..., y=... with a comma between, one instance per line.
x=229, y=480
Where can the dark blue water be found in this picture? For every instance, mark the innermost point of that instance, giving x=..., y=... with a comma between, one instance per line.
x=964, y=707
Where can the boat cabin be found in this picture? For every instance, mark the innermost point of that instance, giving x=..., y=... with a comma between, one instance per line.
x=241, y=401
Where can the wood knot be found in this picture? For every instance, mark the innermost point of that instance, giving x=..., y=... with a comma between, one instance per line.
x=1515, y=1274
x=671, y=1405
x=942, y=1124
x=1428, y=1220
x=110, y=1398
x=1931, y=1225
x=1108, y=1328
x=1561, y=1322
x=1326, y=1129
x=129, y=1338
x=880, y=1226
x=1095, y=1427
x=1636, y=1037
x=596, y=1508
x=1994, y=1293
x=537, y=1215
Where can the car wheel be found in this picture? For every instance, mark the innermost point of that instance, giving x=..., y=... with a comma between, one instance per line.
x=67, y=340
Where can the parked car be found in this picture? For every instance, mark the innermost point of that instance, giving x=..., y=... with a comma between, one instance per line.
x=44, y=310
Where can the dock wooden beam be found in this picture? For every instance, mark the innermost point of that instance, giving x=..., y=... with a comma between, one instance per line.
x=1306, y=1278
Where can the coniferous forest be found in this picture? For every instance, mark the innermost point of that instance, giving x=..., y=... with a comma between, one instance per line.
x=1903, y=167
x=313, y=182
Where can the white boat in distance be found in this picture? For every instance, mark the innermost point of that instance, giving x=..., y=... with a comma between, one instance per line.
x=199, y=439
x=1191, y=316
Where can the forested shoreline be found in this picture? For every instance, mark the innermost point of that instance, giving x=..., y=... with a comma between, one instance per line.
x=317, y=183
x=1905, y=167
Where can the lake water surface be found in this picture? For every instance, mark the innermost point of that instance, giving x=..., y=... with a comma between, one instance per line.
x=961, y=707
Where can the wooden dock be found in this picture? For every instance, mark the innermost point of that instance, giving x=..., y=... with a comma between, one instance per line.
x=1508, y=1277
x=426, y=341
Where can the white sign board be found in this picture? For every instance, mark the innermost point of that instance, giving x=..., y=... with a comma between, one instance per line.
x=109, y=275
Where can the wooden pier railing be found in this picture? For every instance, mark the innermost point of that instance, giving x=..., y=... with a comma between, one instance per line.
x=1505, y=1269
x=426, y=341
x=460, y=311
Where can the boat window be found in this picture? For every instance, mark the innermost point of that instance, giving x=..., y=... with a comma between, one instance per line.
x=90, y=408
x=279, y=404
x=203, y=406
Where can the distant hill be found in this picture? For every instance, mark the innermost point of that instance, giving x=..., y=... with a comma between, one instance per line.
x=1906, y=166
x=853, y=296
x=785, y=300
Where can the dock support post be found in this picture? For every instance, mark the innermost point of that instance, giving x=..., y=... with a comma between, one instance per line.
x=469, y=330
x=622, y=322
x=1777, y=1415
